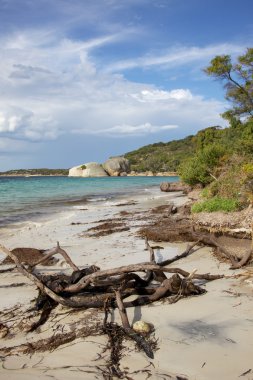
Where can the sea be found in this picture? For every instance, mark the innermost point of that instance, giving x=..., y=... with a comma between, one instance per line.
x=37, y=197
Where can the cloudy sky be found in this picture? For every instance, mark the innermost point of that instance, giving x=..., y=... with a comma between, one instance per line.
x=83, y=80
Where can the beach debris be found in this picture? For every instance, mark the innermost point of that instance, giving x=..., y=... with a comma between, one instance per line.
x=92, y=289
x=3, y=330
x=141, y=327
x=245, y=373
x=107, y=228
x=181, y=227
x=236, y=262
x=29, y=256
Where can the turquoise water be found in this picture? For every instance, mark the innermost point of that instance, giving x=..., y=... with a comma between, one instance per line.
x=27, y=198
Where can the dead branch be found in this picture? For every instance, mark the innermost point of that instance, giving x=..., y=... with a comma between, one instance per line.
x=61, y=300
x=142, y=267
x=171, y=286
x=140, y=340
x=95, y=288
x=187, y=252
x=54, y=251
x=236, y=264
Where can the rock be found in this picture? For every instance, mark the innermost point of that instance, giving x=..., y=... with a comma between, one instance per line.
x=174, y=186
x=123, y=174
x=93, y=169
x=141, y=327
x=116, y=165
x=76, y=171
x=90, y=169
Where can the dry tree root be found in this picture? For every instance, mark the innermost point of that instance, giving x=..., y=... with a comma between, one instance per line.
x=92, y=288
x=236, y=263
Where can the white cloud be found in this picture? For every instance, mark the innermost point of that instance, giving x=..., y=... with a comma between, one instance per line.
x=132, y=130
x=52, y=86
x=158, y=95
x=18, y=123
x=176, y=56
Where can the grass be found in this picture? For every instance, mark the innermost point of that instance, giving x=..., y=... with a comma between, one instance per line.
x=216, y=204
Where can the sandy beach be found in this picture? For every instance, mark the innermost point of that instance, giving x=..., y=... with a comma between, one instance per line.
x=199, y=338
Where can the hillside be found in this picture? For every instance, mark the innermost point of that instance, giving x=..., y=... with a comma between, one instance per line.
x=161, y=157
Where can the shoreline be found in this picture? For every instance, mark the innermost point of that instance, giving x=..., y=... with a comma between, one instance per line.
x=136, y=174
x=206, y=331
x=23, y=199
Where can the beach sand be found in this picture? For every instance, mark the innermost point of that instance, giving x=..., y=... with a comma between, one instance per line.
x=204, y=337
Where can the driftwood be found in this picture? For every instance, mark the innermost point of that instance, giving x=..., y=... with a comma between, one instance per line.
x=93, y=288
x=54, y=251
x=236, y=263
x=128, y=330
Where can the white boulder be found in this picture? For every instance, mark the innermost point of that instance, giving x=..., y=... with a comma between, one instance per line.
x=90, y=169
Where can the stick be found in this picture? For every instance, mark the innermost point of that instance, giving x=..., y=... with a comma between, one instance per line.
x=54, y=251
x=142, y=267
x=187, y=252
x=122, y=310
x=140, y=340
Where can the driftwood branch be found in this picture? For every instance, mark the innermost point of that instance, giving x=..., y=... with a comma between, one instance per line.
x=95, y=288
x=84, y=282
x=140, y=340
x=187, y=252
x=235, y=262
x=54, y=251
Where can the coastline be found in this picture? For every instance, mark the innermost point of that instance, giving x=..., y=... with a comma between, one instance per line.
x=198, y=337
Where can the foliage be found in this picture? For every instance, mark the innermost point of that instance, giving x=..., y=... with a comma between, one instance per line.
x=83, y=167
x=216, y=204
x=238, y=81
x=161, y=157
x=200, y=168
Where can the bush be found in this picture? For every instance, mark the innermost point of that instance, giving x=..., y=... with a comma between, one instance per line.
x=83, y=167
x=199, y=168
x=216, y=204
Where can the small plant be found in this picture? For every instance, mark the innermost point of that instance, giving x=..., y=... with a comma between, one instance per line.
x=83, y=167
x=216, y=204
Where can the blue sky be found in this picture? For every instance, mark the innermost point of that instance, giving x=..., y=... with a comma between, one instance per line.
x=83, y=80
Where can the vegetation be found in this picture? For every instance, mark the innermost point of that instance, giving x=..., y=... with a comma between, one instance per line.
x=216, y=204
x=43, y=171
x=237, y=79
x=161, y=157
x=223, y=157
x=218, y=159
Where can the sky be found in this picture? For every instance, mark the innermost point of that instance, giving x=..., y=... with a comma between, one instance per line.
x=84, y=80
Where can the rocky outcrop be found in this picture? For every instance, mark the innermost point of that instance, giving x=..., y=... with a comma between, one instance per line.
x=116, y=165
x=76, y=171
x=90, y=169
x=174, y=186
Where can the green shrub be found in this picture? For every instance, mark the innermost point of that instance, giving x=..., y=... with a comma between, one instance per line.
x=216, y=204
x=199, y=168
x=83, y=167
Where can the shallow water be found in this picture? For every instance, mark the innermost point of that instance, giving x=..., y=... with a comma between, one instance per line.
x=30, y=198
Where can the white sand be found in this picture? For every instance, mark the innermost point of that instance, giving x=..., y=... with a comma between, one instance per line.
x=204, y=337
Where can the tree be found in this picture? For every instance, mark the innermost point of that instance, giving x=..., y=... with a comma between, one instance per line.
x=238, y=82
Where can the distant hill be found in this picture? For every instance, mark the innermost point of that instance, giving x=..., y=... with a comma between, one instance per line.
x=162, y=157
x=39, y=172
